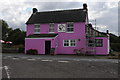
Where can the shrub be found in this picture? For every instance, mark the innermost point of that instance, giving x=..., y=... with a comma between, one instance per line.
x=32, y=51
x=21, y=50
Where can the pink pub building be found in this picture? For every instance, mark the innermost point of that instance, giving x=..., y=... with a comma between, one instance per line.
x=64, y=32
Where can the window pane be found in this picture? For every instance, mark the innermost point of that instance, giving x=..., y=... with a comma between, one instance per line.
x=36, y=28
x=70, y=27
x=72, y=43
x=66, y=42
x=51, y=28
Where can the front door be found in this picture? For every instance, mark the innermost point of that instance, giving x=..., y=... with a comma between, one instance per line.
x=47, y=47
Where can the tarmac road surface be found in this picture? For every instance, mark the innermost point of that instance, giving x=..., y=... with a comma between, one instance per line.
x=46, y=66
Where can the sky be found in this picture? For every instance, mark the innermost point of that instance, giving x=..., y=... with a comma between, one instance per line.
x=17, y=12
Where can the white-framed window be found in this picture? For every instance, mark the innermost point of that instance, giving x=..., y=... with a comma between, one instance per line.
x=70, y=27
x=69, y=43
x=51, y=27
x=36, y=28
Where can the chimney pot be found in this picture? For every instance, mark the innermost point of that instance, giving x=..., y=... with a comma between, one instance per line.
x=35, y=10
x=107, y=31
x=85, y=6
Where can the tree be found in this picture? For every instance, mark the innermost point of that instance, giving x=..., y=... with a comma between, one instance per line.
x=5, y=29
x=16, y=36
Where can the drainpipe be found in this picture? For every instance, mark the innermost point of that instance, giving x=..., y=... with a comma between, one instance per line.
x=107, y=32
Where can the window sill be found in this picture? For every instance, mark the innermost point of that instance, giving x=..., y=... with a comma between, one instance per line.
x=36, y=33
x=69, y=32
x=51, y=32
x=69, y=46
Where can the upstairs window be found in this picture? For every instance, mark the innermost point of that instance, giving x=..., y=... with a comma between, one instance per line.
x=51, y=28
x=69, y=43
x=99, y=42
x=70, y=27
x=36, y=28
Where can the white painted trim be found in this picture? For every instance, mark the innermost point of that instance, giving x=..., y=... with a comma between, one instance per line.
x=36, y=33
x=43, y=38
x=51, y=32
x=69, y=32
x=40, y=38
x=56, y=36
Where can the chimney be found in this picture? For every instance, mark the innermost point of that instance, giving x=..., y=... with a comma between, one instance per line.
x=107, y=31
x=90, y=25
x=85, y=6
x=35, y=10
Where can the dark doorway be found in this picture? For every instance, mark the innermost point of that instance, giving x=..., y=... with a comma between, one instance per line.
x=47, y=47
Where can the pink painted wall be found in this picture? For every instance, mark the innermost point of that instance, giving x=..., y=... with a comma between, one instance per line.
x=29, y=29
x=38, y=44
x=35, y=44
x=103, y=50
x=79, y=33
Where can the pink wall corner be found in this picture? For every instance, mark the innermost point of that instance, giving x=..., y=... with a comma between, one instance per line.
x=30, y=29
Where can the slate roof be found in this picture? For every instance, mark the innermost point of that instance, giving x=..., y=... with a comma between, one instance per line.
x=42, y=35
x=75, y=15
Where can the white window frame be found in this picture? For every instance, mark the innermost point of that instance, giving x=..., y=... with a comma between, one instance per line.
x=69, y=43
x=70, y=27
x=36, y=28
x=51, y=28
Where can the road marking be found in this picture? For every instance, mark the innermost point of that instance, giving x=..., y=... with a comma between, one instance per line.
x=77, y=60
x=31, y=59
x=47, y=60
x=15, y=58
x=7, y=71
x=115, y=62
x=24, y=57
x=9, y=56
x=38, y=58
x=63, y=61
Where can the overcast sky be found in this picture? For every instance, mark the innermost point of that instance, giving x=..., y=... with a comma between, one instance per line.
x=17, y=13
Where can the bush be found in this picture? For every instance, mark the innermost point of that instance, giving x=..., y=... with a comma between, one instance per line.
x=115, y=46
x=21, y=50
x=32, y=51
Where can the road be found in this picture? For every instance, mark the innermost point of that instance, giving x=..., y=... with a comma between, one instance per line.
x=58, y=66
